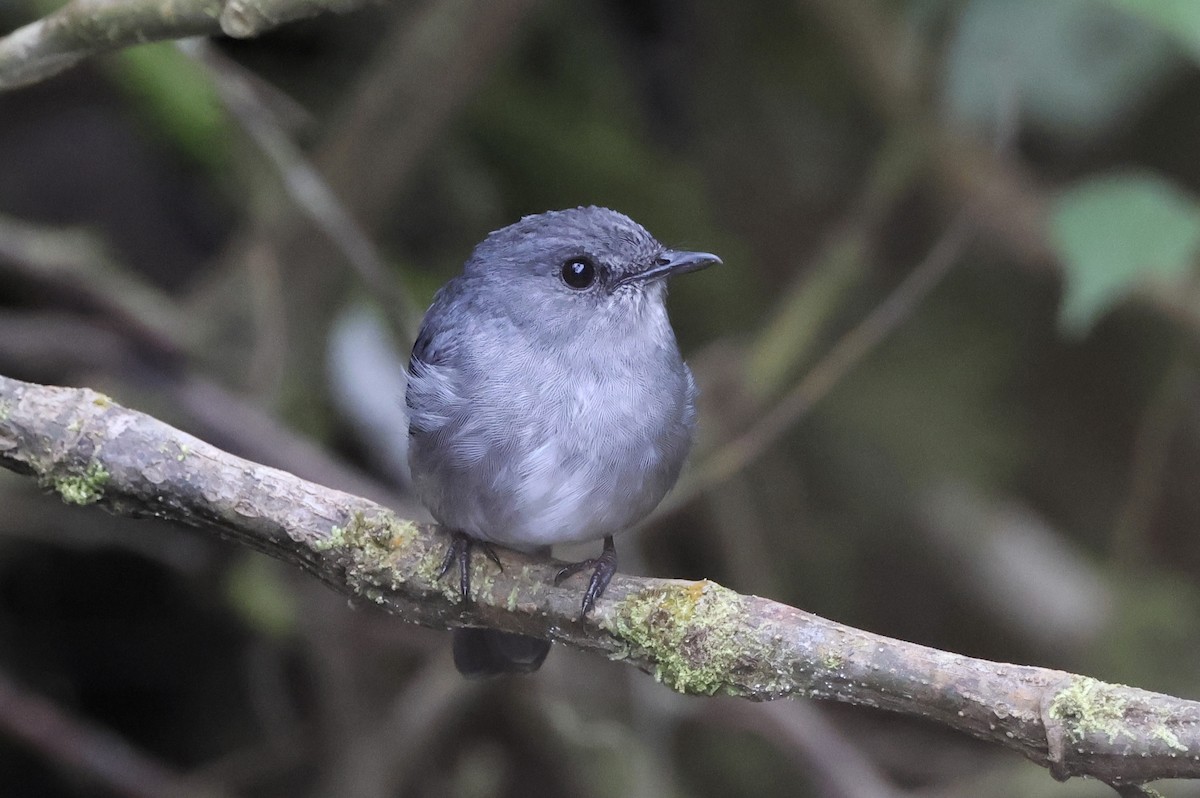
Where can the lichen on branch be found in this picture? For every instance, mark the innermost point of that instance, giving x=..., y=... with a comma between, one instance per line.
x=694, y=637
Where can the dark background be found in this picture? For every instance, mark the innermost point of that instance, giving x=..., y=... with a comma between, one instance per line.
x=1011, y=471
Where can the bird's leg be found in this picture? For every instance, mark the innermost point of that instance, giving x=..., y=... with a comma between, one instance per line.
x=460, y=551
x=603, y=568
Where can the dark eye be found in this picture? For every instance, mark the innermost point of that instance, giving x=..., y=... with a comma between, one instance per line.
x=579, y=273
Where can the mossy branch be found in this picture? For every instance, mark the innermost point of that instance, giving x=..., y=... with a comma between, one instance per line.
x=83, y=28
x=694, y=637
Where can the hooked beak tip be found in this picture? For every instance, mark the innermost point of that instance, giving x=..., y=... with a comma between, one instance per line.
x=676, y=260
x=672, y=262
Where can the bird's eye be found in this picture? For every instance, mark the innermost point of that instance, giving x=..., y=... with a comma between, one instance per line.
x=579, y=273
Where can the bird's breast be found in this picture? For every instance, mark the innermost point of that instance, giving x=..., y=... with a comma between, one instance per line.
x=586, y=447
x=535, y=445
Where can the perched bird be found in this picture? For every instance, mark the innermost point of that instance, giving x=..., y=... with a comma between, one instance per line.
x=548, y=402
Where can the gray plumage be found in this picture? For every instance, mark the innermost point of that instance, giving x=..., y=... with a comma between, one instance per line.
x=543, y=413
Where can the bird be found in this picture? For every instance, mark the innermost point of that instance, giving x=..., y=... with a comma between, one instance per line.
x=548, y=402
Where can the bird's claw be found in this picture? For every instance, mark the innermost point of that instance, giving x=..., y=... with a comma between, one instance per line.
x=602, y=567
x=460, y=551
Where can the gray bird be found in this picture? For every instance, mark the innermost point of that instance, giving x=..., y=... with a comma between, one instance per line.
x=548, y=402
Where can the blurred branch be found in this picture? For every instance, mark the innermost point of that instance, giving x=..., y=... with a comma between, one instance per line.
x=141, y=337
x=1009, y=561
x=1010, y=205
x=801, y=731
x=379, y=758
x=28, y=516
x=306, y=186
x=48, y=345
x=75, y=262
x=695, y=637
x=426, y=68
x=1160, y=420
x=815, y=293
x=88, y=749
x=731, y=457
x=84, y=28
x=429, y=63
x=252, y=429
x=41, y=345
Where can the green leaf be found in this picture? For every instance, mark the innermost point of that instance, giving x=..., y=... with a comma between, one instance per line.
x=1180, y=19
x=1114, y=233
x=1071, y=84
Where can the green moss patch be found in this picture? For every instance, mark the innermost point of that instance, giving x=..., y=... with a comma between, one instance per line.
x=689, y=632
x=1090, y=706
x=84, y=488
x=368, y=544
x=380, y=534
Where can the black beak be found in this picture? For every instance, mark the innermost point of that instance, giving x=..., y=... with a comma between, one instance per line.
x=672, y=262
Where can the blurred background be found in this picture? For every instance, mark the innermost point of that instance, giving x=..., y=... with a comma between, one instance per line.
x=949, y=373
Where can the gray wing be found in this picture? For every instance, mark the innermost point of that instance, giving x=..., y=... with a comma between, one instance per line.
x=434, y=392
x=421, y=365
x=452, y=451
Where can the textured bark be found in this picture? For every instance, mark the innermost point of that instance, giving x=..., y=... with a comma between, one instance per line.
x=694, y=637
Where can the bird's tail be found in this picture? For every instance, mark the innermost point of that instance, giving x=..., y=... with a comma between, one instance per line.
x=479, y=653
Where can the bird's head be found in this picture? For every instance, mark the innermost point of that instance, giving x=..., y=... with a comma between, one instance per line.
x=582, y=265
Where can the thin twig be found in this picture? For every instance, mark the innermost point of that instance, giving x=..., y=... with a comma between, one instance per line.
x=1011, y=207
x=801, y=730
x=848, y=352
x=429, y=63
x=1151, y=450
x=381, y=759
x=425, y=70
x=86, y=748
x=306, y=186
x=77, y=263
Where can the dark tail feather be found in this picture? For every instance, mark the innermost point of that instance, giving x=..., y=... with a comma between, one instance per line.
x=479, y=653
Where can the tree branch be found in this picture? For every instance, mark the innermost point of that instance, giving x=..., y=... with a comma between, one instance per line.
x=695, y=637
x=89, y=749
x=85, y=28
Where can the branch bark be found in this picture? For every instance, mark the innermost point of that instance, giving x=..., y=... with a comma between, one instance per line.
x=83, y=28
x=694, y=637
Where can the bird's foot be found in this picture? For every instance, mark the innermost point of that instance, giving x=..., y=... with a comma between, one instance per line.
x=603, y=568
x=460, y=551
